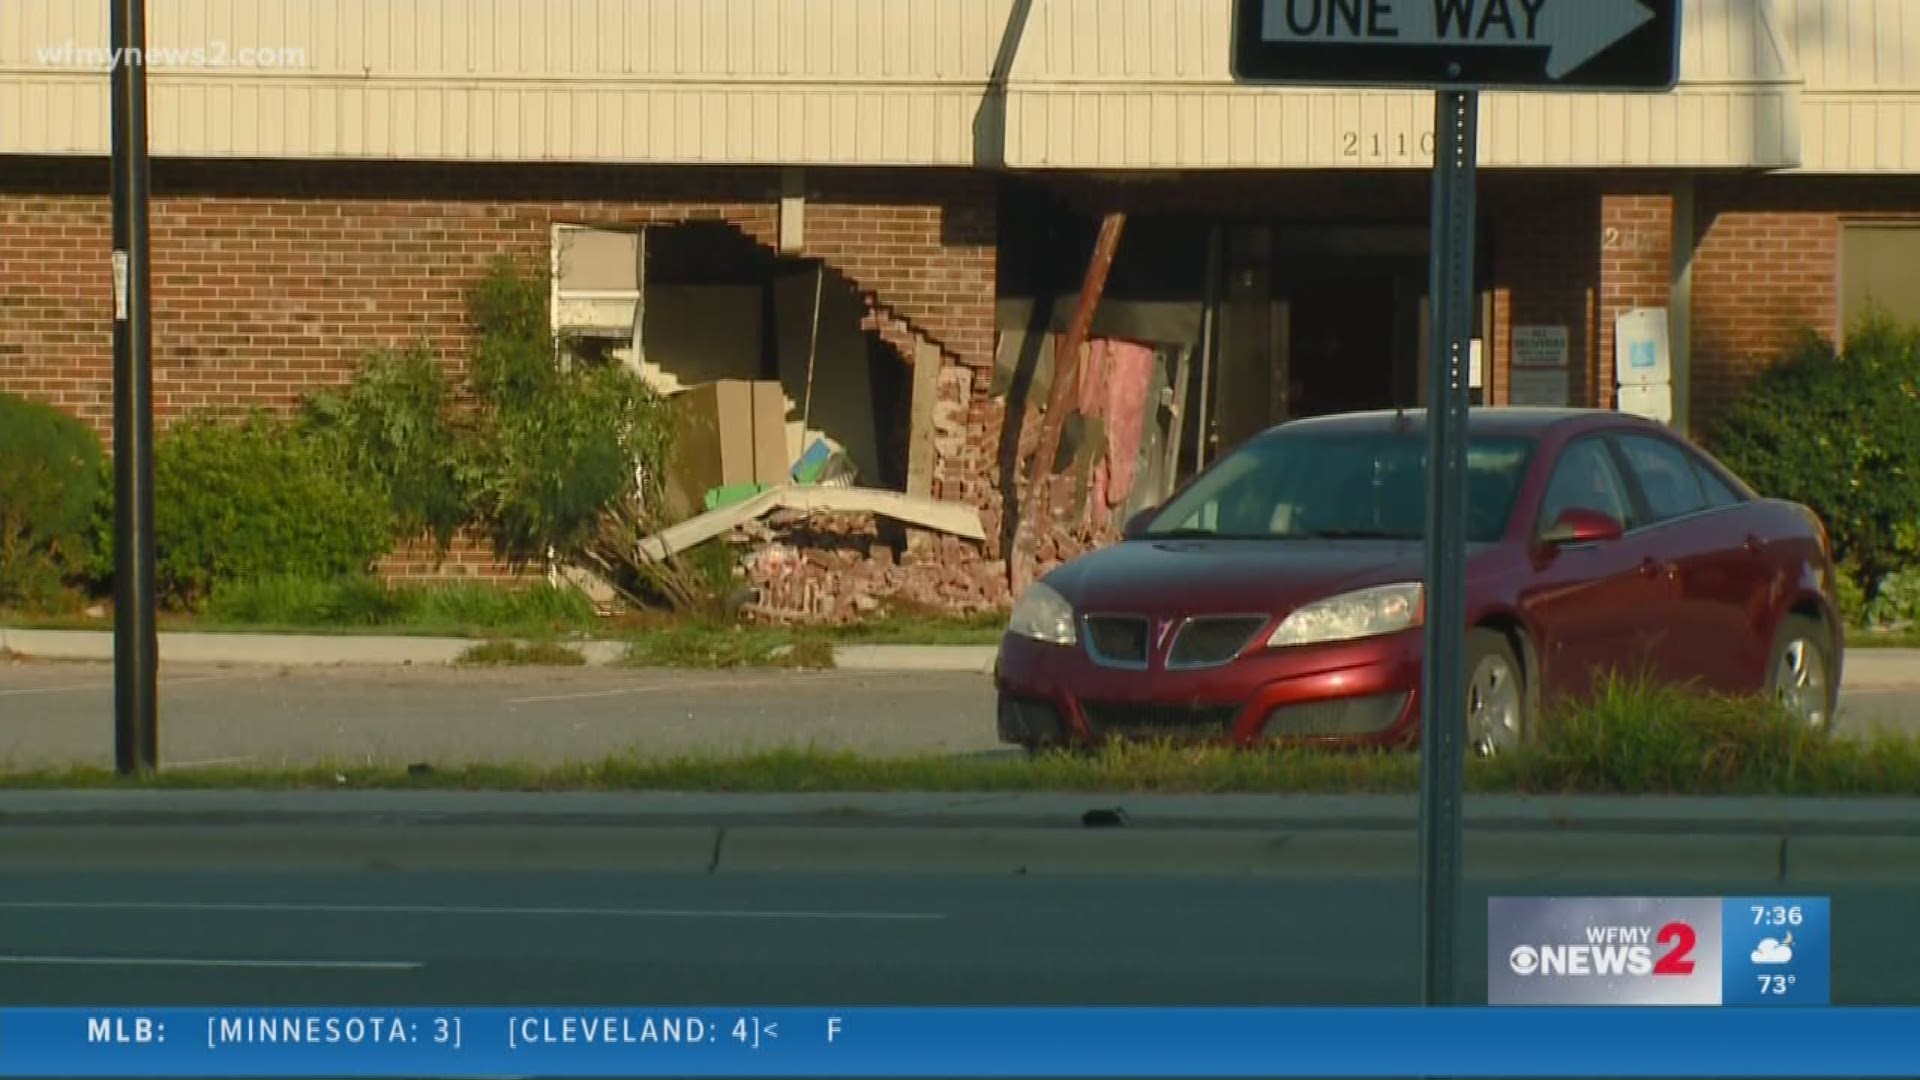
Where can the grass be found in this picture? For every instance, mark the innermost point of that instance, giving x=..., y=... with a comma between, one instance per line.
x=1633, y=739
x=1884, y=639
x=519, y=654
x=303, y=605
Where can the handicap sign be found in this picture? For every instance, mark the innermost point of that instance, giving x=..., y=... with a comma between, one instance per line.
x=1640, y=348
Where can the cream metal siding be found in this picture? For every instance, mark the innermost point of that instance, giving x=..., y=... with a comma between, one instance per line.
x=1829, y=85
x=1861, y=60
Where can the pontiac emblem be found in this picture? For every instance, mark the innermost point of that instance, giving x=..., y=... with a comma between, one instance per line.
x=1162, y=632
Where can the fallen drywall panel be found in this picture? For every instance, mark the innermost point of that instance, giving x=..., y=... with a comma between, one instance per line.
x=953, y=518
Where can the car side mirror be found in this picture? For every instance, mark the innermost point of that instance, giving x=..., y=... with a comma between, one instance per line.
x=1582, y=526
x=1136, y=526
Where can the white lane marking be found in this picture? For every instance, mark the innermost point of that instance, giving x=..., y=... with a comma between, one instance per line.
x=704, y=684
x=434, y=909
x=209, y=962
x=74, y=687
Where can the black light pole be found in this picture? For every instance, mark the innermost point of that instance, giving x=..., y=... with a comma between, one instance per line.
x=136, y=646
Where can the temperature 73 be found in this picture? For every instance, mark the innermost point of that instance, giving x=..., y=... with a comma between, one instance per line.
x=1775, y=984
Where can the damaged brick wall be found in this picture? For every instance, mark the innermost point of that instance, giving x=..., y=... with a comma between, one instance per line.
x=272, y=280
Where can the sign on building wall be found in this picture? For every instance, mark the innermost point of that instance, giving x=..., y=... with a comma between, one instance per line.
x=1642, y=364
x=1539, y=375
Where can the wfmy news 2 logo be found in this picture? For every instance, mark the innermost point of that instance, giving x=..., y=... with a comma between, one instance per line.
x=1659, y=951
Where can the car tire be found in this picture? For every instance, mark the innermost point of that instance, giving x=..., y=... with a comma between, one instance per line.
x=1499, y=710
x=1800, y=672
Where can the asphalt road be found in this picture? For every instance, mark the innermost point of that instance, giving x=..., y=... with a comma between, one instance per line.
x=54, y=714
x=501, y=935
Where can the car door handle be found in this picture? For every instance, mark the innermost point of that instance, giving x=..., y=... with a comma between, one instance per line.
x=1753, y=544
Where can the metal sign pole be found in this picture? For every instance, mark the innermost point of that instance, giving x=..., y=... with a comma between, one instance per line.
x=1443, y=682
x=136, y=650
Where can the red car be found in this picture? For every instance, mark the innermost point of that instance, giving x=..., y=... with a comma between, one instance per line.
x=1278, y=596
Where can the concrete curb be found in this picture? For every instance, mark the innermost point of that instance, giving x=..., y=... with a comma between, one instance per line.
x=1536, y=857
x=1815, y=842
x=960, y=658
x=1069, y=811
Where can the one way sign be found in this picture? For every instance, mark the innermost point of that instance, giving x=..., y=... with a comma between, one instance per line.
x=1623, y=45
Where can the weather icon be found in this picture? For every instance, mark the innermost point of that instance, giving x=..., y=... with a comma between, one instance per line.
x=1770, y=951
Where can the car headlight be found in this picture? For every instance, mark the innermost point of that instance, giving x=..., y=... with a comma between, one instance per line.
x=1384, y=609
x=1043, y=615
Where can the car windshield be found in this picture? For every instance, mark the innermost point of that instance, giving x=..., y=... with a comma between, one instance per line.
x=1305, y=485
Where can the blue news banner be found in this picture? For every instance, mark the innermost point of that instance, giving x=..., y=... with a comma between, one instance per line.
x=1576, y=987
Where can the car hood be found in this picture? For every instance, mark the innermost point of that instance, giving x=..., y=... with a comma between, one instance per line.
x=1190, y=577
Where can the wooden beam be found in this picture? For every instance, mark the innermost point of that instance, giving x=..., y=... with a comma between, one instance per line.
x=1066, y=362
x=926, y=392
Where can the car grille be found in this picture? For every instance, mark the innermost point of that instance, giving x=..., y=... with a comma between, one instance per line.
x=1212, y=641
x=1117, y=639
x=1343, y=716
x=1170, y=722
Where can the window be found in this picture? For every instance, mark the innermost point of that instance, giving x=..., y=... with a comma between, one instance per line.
x=1585, y=479
x=1341, y=485
x=1666, y=477
x=1877, y=264
x=1719, y=494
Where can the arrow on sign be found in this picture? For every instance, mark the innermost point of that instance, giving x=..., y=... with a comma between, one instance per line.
x=1573, y=31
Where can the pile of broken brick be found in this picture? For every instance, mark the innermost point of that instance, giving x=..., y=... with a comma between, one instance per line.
x=835, y=569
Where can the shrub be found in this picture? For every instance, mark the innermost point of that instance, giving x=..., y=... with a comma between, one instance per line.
x=1897, y=602
x=1852, y=598
x=559, y=446
x=51, y=468
x=394, y=427
x=1840, y=432
x=236, y=501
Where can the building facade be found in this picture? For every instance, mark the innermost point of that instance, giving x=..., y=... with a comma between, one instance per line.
x=332, y=175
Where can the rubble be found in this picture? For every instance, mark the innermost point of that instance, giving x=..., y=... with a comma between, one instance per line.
x=840, y=568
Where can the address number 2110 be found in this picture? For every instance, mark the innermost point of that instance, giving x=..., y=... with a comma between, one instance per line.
x=1378, y=147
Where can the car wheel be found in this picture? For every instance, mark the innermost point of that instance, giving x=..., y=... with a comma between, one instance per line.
x=1800, y=673
x=1497, y=720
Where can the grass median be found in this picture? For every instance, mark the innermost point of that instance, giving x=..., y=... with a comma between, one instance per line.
x=1630, y=740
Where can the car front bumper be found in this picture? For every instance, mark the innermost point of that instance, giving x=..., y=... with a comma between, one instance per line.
x=1349, y=694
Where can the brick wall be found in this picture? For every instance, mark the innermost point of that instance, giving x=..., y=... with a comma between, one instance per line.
x=1636, y=270
x=1768, y=265
x=1545, y=264
x=272, y=280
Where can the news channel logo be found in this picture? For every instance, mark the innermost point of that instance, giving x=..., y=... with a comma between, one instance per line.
x=1658, y=951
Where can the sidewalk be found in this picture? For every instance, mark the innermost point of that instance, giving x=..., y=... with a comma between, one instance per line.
x=330, y=650
x=1866, y=669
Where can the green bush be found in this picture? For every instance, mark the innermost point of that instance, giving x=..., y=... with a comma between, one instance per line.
x=1852, y=598
x=558, y=445
x=537, y=457
x=1840, y=432
x=394, y=426
x=51, y=467
x=1897, y=602
x=237, y=501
